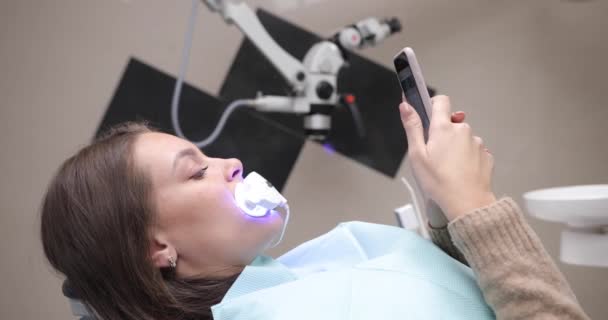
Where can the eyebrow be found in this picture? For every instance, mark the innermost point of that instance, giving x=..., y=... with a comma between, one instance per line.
x=184, y=153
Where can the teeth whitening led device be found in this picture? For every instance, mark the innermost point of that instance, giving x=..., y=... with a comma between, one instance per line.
x=257, y=198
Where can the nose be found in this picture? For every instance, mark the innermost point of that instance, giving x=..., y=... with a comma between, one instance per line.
x=233, y=170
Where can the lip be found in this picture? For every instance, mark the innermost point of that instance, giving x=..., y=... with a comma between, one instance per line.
x=267, y=214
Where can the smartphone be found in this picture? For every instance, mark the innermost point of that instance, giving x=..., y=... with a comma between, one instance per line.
x=417, y=95
x=413, y=85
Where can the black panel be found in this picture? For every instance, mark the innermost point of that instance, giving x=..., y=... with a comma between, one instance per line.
x=376, y=87
x=144, y=93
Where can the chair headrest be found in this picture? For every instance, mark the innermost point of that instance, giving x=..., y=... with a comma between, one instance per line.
x=69, y=291
x=78, y=308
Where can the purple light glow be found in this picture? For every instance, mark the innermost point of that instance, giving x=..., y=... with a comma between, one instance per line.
x=329, y=148
x=270, y=215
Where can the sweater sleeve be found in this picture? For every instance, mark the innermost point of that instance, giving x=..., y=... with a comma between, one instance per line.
x=441, y=238
x=515, y=273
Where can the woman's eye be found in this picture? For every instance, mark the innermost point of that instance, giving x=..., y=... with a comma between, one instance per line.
x=199, y=174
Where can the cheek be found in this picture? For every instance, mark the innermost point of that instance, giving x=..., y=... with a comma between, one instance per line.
x=208, y=217
x=212, y=209
x=187, y=207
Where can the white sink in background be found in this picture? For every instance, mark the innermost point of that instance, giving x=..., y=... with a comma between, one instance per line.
x=575, y=205
x=584, y=209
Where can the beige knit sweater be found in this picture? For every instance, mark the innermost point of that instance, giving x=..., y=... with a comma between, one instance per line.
x=516, y=275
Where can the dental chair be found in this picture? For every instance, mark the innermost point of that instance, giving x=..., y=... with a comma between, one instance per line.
x=78, y=308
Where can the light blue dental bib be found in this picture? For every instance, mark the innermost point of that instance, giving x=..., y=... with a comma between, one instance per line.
x=357, y=271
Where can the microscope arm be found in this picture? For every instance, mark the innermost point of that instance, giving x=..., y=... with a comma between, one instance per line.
x=247, y=21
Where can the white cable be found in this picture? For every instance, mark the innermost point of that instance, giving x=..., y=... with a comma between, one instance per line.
x=286, y=207
x=180, y=81
x=182, y=69
x=220, y=126
x=423, y=224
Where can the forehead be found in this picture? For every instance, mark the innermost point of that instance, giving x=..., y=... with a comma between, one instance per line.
x=157, y=141
x=158, y=150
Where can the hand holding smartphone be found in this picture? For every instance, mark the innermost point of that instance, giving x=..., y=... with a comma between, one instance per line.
x=417, y=95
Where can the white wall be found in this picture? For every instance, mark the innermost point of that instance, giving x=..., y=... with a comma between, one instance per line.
x=530, y=74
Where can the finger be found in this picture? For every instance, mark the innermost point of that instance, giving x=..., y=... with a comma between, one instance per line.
x=441, y=112
x=479, y=141
x=488, y=161
x=458, y=117
x=413, y=128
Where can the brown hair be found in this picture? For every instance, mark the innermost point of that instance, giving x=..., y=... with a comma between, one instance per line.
x=94, y=226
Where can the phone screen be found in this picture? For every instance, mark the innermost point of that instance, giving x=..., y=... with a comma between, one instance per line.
x=410, y=89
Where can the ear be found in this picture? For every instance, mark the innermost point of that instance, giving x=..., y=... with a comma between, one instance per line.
x=161, y=250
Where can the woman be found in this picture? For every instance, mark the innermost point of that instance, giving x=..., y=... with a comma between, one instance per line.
x=145, y=226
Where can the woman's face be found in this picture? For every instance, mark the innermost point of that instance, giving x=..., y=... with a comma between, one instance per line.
x=197, y=219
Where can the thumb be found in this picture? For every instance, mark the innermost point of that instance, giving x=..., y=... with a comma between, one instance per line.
x=413, y=128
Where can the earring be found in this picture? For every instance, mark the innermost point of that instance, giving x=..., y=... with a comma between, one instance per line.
x=172, y=262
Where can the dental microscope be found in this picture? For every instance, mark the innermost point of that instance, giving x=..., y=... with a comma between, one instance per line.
x=315, y=93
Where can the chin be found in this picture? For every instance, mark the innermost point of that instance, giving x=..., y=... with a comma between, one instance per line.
x=274, y=221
